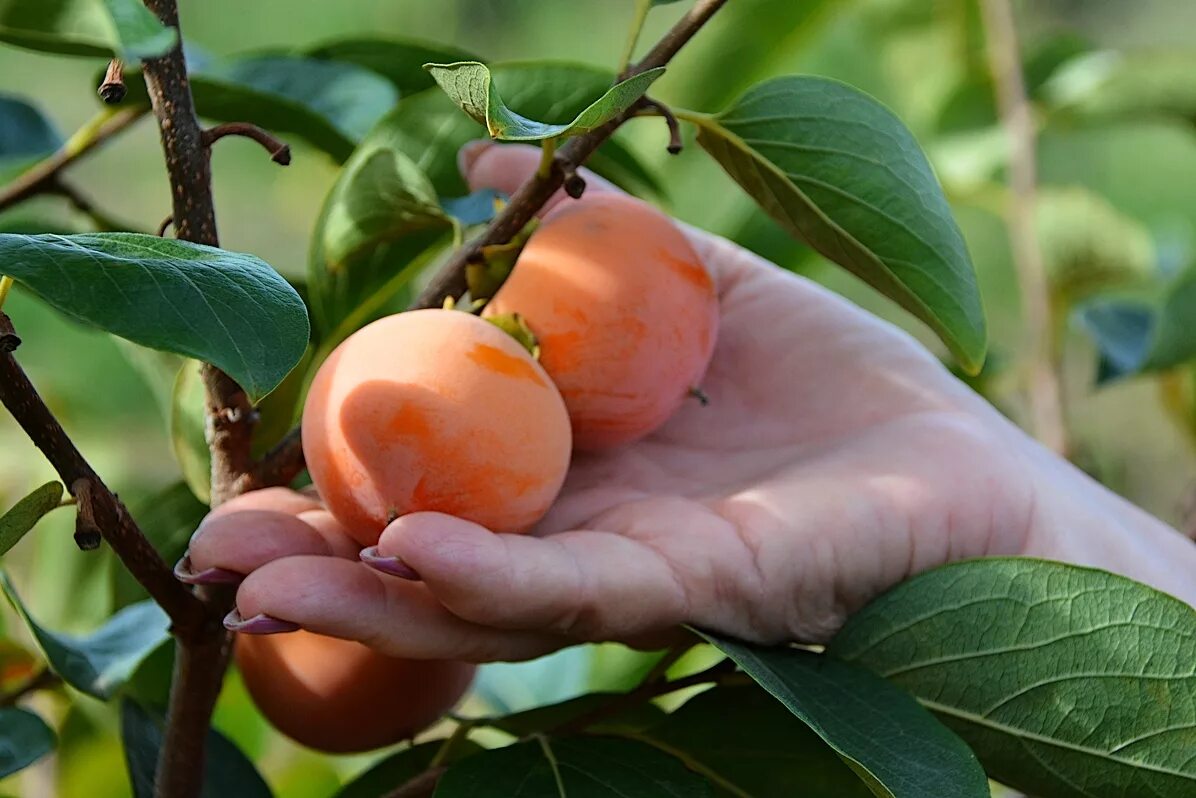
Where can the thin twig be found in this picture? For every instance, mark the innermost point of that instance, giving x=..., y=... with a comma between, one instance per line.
x=1044, y=386
x=419, y=786
x=99, y=217
x=41, y=680
x=112, y=89
x=660, y=109
x=108, y=514
x=280, y=153
x=87, y=530
x=163, y=225
x=279, y=466
x=532, y=195
x=42, y=176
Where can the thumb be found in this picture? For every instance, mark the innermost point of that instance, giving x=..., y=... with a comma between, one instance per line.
x=506, y=167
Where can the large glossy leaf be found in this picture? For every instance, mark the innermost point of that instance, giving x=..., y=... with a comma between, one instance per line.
x=896, y=747
x=469, y=84
x=227, y=772
x=329, y=104
x=840, y=172
x=85, y=27
x=229, y=309
x=1145, y=332
x=25, y=133
x=25, y=514
x=770, y=753
x=187, y=438
x=1066, y=681
x=401, y=61
x=576, y=767
x=378, y=224
x=99, y=663
x=24, y=739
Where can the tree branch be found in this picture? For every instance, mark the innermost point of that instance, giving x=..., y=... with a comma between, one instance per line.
x=39, y=681
x=532, y=195
x=1044, y=384
x=280, y=153
x=188, y=165
x=106, y=512
x=43, y=177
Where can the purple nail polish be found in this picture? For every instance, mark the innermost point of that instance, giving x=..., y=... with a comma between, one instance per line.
x=208, y=576
x=388, y=565
x=260, y=624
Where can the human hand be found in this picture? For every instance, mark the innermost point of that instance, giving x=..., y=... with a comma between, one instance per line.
x=836, y=458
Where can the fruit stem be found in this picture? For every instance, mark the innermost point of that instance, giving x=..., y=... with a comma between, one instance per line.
x=547, y=155
x=642, y=7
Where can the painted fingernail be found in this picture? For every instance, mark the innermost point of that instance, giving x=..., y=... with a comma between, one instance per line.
x=388, y=565
x=208, y=576
x=260, y=624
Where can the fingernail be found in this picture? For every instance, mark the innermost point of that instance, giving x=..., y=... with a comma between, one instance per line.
x=208, y=576
x=388, y=565
x=260, y=624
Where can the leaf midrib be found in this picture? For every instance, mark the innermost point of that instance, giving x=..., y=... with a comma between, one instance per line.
x=1023, y=734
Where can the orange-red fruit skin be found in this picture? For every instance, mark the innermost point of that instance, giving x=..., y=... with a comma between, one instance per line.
x=435, y=410
x=339, y=696
x=625, y=312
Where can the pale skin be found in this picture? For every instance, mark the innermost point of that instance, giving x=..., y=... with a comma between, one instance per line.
x=837, y=458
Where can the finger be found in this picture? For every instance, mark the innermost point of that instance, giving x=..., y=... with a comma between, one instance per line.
x=279, y=500
x=348, y=600
x=506, y=167
x=586, y=585
x=243, y=541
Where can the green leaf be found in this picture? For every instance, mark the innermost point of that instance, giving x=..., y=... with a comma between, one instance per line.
x=228, y=309
x=168, y=518
x=139, y=33
x=24, y=739
x=840, y=172
x=99, y=663
x=1105, y=86
x=187, y=419
x=1144, y=333
x=1066, y=681
x=542, y=719
x=124, y=28
x=469, y=85
x=401, y=61
x=897, y=747
x=25, y=514
x=770, y=753
x=227, y=771
x=577, y=767
x=25, y=133
x=329, y=104
x=379, y=224
x=395, y=770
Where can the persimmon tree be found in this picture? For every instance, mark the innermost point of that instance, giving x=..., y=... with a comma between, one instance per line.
x=968, y=672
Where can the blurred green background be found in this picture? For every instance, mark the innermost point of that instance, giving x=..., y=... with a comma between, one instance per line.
x=1118, y=194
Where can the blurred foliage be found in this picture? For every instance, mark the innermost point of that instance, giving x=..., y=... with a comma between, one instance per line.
x=1115, y=108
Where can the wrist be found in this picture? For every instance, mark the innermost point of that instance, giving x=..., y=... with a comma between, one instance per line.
x=1078, y=520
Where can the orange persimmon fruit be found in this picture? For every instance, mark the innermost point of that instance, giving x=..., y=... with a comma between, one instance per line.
x=434, y=410
x=625, y=313
x=339, y=696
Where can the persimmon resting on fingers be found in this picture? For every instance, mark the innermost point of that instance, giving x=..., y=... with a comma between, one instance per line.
x=624, y=310
x=435, y=410
x=339, y=696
